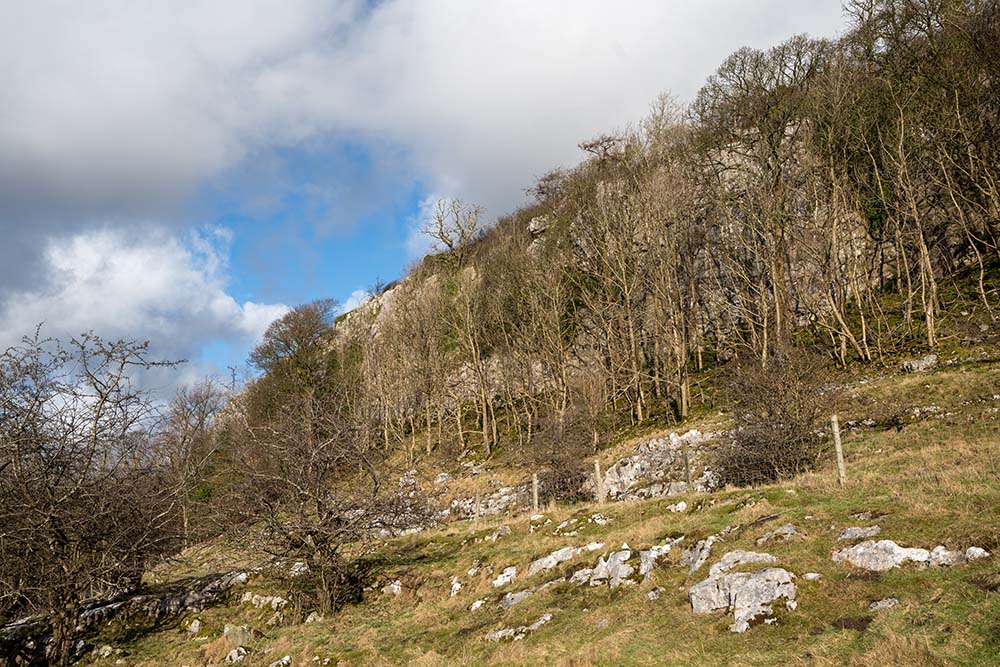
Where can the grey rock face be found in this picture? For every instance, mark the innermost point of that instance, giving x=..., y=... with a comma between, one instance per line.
x=748, y=594
x=858, y=533
x=880, y=556
x=658, y=468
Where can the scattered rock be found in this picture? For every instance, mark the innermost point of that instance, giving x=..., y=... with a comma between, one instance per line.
x=314, y=617
x=696, y=556
x=563, y=527
x=505, y=577
x=678, y=507
x=194, y=627
x=880, y=556
x=502, y=531
x=258, y=601
x=737, y=558
x=277, y=619
x=442, y=478
x=394, y=587
x=655, y=593
x=518, y=633
x=648, y=557
x=976, y=553
x=941, y=556
x=920, y=365
x=511, y=599
x=456, y=586
x=858, y=533
x=477, y=604
x=283, y=662
x=599, y=519
x=784, y=533
x=298, y=569
x=748, y=595
x=560, y=556
x=236, y=655
x=658, y=467
x=812, y=576
x=887, y=603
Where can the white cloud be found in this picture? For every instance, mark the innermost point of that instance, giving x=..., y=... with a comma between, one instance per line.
x=112, y=105
x=358, y=298
x=147, y=286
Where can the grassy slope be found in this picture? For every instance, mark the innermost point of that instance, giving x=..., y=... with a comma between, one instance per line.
x=937, y=480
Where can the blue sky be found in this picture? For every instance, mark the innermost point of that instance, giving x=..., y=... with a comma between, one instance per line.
x=184, y=172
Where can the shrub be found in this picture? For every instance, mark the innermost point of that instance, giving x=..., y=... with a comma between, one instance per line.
x=779, y=412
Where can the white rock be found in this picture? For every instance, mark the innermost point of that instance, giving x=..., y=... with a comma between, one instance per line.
x=648, y=557
x=976, y=553
x=737, y=558
x=511, y=599
x=236, y=655
x=505, y=577
x=887, y=603
x=314, y=617
x=655, y=593
x=283, y=662
x=395, y=587
x=880, y=556
x=858, y=532
x=560, y=556
x=748, y=595
x=812, y=576
x=581, y=576
x=477, y=604
x=298, y=569
x=194, y=627
x=942, y=556
x=456, y=586
x=442, y=478
x=678, y=507
x=599, y=519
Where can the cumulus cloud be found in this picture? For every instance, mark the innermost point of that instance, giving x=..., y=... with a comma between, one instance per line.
x=148, y=286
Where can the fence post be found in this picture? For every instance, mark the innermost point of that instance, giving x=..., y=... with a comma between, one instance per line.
x=841, y=472
x=599, y=482
x=687, y=466
x=534, y=492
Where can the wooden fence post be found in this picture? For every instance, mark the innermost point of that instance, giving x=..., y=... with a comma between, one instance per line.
x=841, y=471
x=534, y=492
x=599, y=482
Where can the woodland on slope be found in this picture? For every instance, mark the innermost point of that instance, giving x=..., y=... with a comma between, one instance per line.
x=830, y=200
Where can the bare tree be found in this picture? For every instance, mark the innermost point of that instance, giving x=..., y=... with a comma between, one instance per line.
x=83, y=503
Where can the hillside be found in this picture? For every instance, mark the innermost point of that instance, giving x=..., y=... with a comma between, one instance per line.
x=933, y=481
x=596, y=431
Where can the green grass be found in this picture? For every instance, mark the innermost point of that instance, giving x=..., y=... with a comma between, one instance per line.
x=937, y=480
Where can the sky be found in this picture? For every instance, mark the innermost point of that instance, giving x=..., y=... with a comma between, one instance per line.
x=184, y=172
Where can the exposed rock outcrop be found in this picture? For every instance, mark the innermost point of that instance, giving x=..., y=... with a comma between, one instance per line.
x=748, y=594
